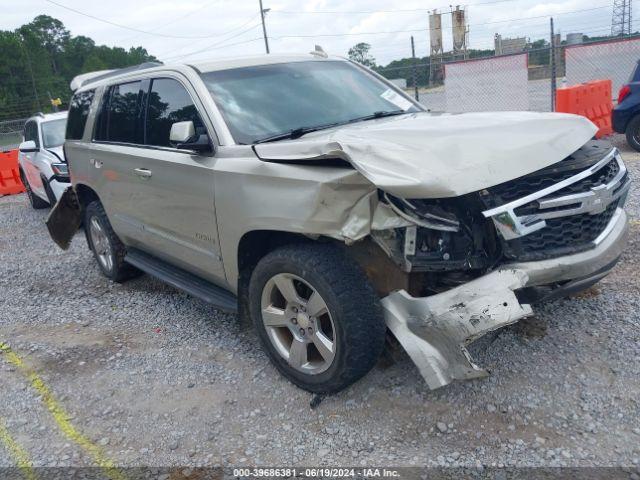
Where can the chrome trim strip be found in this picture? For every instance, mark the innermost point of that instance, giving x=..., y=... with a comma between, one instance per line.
x=610, y=226
x=553, y=188
x=595, y=201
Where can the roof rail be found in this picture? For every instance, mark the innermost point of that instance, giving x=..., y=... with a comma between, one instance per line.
x=86, y=78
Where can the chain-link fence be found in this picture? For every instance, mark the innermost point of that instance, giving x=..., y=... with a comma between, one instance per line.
x=517, y=81
x=613, y=60
x=11, y=133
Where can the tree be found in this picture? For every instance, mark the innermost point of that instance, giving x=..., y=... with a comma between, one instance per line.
x=93, y=63
x=48, y=33
x=41, y=58
x=360, y=53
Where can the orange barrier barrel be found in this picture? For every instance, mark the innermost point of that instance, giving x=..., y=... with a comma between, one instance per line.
x=10, y=182
x=592, y=100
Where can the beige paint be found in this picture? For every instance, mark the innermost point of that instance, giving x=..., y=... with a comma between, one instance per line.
x=423, y=155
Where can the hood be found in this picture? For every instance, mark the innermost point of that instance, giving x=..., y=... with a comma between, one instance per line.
x=57, y=152
x=423, y=155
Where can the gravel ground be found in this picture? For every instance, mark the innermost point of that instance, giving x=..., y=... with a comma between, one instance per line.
x=157, y=378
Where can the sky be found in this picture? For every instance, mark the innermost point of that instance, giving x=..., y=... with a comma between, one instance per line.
x=176, y=30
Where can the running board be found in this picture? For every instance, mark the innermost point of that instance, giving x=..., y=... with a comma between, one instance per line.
x=183, y=280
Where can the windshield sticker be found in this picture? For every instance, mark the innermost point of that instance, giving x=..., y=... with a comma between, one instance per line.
x=398, y=100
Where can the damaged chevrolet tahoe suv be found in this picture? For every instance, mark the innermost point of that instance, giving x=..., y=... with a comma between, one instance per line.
x=312, y=196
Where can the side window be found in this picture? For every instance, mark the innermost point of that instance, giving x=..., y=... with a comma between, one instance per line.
x=31, y=132
x=168, y=103
x=118, y=119
x=78, y=114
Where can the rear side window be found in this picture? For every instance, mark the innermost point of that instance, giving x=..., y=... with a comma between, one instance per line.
x=635, y=75
x=120, y=113
x=78, y=114
x=168, y=103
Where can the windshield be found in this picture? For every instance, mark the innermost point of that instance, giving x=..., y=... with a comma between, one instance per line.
x=267, y=100
x=53, y=132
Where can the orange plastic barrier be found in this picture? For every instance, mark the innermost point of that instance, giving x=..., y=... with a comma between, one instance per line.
x=10, y=182
x=592, y=100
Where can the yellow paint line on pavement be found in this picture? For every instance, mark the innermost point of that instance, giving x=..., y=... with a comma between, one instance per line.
x=19, y=454
x=61, y=417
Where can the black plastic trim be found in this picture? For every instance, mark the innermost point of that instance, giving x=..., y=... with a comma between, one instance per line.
x=183, y=280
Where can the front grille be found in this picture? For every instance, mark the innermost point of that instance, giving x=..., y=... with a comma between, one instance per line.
x=547, y=177
x=561, y=236
x=567, y=220
x=602, y=177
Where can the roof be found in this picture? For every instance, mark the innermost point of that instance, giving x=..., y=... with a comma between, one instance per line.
x=255, y=60
x=91, y=79
x=46, y=117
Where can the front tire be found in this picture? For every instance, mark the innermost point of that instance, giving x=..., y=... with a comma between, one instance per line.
x=49, y=191
x=633, y=133
x=107, y=248
x=36, y=202
x=317, y=316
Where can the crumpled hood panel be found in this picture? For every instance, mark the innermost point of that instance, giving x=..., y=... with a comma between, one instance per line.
x=436, y=156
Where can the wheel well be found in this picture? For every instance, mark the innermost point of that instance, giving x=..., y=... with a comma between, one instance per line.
x=86, y=195
x=252, y=247
x=255, y=245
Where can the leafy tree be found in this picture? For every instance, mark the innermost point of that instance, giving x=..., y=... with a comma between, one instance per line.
x=39, y=59
x=360, y=53
x=93, y=63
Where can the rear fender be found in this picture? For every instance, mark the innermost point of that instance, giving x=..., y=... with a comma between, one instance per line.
x=65, y=218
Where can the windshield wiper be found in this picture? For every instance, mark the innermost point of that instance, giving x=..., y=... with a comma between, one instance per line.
x=299, y=132
x=296, y=133
x=380, y=114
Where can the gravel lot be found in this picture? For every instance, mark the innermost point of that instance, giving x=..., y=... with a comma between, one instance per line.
x=157, y=378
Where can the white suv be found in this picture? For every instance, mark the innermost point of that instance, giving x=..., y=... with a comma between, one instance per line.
x=43, y=168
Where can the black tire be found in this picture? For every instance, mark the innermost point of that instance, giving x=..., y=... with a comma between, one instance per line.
x=353, y=305
x=36, y=202
x=119, y=270
x=633, y=133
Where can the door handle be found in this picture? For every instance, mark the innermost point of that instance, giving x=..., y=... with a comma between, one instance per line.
x=142, y=172
x=95, y=163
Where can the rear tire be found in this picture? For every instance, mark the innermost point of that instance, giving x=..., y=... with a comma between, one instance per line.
x=321, y=343
x=633, y=133
x=107, y=248
x=36, y=202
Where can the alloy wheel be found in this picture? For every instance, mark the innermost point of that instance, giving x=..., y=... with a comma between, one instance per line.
x=298, y=323
x=101, y=244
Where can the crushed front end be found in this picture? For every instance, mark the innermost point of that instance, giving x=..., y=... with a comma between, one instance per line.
x=476, y=263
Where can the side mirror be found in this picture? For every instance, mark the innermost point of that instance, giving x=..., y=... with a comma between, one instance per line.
x=181, y=132
x=28, y=147
x=183, y=136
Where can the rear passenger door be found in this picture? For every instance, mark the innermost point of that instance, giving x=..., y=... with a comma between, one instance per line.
x=181, y=211
x=115, y=151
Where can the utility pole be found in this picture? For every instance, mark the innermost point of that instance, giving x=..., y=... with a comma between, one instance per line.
x=415, y=71
x=552, y=62
x=264, y=27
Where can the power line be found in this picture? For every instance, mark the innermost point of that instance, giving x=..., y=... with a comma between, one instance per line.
x=133, y=29
x=188, y=14
x=410, y=10
x=427, y=29
x=218, y=44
